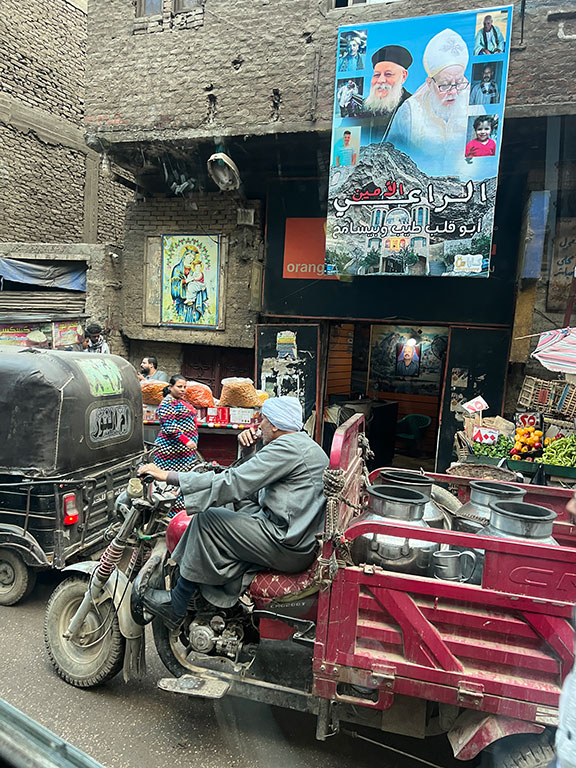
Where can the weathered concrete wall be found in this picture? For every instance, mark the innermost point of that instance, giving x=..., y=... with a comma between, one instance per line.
x=103, y=279
x=48, y=177
x=197, y=214
x=258, y=67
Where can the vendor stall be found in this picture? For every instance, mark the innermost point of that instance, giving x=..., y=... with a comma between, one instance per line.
x=219, y=422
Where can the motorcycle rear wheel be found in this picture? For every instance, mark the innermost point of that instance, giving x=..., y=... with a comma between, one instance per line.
x=97, y=654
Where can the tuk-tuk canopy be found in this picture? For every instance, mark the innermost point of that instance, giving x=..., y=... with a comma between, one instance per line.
x=65, y=411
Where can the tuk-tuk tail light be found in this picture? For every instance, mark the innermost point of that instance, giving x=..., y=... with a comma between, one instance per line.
x=70, y=509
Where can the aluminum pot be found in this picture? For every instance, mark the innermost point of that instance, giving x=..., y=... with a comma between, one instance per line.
x=482, y=494
x=520, y=520
x=407, y=478
x=394, y=553
x=516, y=520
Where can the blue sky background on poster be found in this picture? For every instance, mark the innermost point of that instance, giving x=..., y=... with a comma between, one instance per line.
x=436, y=146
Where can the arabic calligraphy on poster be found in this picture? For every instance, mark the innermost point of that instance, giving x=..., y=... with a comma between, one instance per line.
x=416, y=140
x=563, y=265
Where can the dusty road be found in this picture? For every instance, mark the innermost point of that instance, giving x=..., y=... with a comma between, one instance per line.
x=137, y=725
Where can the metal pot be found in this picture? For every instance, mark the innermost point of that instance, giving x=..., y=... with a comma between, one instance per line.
x=393, y=552
x=520, y=520
x=482, y=494
x=516, y=520
x=407, y=478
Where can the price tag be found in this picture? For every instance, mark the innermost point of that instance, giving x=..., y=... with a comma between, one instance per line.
x=530, y=419
x=477, y=405
x=485, y=435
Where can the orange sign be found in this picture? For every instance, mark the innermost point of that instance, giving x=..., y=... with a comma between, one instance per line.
x=305, y=249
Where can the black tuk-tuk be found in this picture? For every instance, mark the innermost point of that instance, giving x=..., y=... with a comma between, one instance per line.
x=70, y=438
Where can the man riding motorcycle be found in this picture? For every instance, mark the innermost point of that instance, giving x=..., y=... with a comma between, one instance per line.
x=278, y=508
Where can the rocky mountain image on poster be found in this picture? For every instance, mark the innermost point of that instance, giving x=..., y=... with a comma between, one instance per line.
x=378, y=163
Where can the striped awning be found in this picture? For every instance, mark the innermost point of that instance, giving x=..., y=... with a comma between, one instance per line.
x=556, y=350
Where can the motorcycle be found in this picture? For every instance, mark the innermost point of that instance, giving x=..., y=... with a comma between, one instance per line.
x=95, y=619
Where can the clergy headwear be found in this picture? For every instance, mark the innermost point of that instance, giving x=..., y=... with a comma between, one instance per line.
x=284, y=413
x=446, y=49
x=394, y=53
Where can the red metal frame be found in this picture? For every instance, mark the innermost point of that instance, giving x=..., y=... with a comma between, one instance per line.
x=502, y=648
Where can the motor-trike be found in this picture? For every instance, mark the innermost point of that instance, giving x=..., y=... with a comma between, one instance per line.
x=350, y=643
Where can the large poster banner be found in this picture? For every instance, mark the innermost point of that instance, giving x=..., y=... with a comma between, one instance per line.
x=416, y=135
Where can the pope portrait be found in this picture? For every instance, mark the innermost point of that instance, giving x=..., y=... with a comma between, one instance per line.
x=431, y=125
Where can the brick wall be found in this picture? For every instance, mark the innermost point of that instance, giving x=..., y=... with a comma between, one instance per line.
x=198, y=214
x=41, y=188
x=44, y=55
x=49, y=186
x=169, y=356
x=112, y=201
x=261, y=66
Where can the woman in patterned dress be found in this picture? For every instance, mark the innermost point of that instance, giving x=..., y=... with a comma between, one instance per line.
x=175, y=446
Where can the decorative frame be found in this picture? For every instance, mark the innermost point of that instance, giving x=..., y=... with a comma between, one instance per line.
x=192, y=281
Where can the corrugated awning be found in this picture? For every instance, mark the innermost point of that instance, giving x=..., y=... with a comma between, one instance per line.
x=556, y=350
x=43, y=302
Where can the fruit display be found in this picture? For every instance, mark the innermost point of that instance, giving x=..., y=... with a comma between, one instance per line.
x=528, y=444
x=499, y=450
x=560, y=451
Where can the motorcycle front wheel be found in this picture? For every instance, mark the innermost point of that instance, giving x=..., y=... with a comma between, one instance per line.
x=96, y=653
x=171, y=647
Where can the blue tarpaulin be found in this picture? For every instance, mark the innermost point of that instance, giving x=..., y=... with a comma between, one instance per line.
x=64, y=275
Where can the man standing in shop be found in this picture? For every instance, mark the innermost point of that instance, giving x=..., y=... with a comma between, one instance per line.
x=149, y=370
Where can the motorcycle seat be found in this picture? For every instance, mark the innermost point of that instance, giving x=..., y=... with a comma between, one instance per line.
x=283, y=587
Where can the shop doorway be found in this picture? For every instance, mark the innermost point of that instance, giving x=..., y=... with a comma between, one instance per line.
x=395, y=375
x=209, y=365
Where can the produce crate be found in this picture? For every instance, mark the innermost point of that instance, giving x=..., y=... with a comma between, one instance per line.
x=526, y=467
x=566, y=404
x=565, y=427
x=541, y=395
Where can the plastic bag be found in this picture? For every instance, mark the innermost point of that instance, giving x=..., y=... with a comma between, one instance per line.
x=239, y=393
x=262, y=395
x=199, y=395
x=152, y=391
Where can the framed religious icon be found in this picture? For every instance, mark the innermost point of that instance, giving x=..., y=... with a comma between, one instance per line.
x=192, y=281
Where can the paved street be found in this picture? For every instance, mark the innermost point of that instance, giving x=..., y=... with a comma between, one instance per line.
x=136, y=725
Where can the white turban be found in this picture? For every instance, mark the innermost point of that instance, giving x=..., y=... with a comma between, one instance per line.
x=445, y=49
x=284, y=413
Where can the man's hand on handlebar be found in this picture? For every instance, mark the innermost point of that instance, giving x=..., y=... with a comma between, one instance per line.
x=151, y=469
x=248, y=437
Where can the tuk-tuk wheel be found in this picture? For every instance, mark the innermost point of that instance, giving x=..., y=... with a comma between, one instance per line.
x=16, y=579
x=520, y=751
